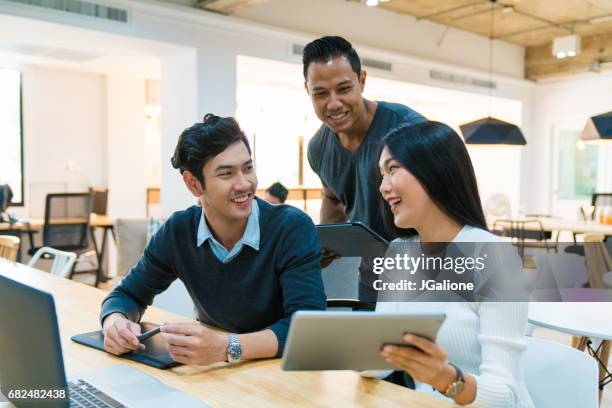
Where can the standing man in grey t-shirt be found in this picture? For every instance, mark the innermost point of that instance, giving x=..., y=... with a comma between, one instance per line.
x=343, y=150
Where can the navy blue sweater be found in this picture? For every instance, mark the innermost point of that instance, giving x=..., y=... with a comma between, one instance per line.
x=254, y=291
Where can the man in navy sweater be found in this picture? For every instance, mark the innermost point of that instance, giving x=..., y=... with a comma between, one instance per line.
x=247, y=265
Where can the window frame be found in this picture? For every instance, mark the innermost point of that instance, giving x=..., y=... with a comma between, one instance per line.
x=21, y=140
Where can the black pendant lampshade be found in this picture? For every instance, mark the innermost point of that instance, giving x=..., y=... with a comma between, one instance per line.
x=598, y=127
x=487, y=131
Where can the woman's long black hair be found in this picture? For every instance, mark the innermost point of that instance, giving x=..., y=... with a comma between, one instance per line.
x=435, y=154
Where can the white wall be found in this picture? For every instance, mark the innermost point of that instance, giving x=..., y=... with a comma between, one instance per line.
x=564, y=103
x=388, y=30
x=64, y=126
x=126, y=144
x=207, y=81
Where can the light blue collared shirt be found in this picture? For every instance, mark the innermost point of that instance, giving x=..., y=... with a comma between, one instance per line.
x=250, y=236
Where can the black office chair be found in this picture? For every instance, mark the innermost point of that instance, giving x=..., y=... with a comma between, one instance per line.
x=66, y=225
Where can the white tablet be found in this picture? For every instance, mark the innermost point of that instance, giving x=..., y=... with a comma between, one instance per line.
x=351, y=239
x=321, y=340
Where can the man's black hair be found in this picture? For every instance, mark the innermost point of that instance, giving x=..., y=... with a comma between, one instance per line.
x=205, y=140
x=325, y=49
x=279, y=191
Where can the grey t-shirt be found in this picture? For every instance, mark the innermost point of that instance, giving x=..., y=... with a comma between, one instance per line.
x=351, y=175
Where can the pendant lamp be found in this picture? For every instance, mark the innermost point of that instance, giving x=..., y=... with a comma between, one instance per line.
x=492, y=131
x=598, y=128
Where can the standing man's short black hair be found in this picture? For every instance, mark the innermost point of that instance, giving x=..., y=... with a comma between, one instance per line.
x=279, y=191
x=327, y=48
x=205, y=140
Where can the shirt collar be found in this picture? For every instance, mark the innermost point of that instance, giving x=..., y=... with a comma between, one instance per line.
x=251, y=232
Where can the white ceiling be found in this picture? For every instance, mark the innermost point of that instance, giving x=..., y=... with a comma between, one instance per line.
x=28, y=41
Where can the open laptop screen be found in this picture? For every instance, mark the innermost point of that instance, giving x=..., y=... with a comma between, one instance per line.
x=31, y=364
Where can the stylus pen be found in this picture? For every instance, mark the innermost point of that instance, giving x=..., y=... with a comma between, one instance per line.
x=148, y=334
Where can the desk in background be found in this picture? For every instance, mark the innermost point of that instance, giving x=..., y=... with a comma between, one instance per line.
x=256, y=383
x=95, y=222
x=558, y=224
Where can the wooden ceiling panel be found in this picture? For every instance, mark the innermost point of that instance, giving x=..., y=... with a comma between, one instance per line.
x=227, y=6
x=536, y=37
x=474, y=16
x=503, y=23
x=592, y=29
x=565, y=10
x=420, y=8
x=540, y=63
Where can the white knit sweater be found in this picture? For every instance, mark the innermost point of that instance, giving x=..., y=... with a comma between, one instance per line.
x=483, y=339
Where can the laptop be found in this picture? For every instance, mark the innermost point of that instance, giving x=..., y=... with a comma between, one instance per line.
x=32, y=368
x=326, y=340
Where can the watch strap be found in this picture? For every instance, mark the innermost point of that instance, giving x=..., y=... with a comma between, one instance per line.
x=234, y=351
x=456, y=386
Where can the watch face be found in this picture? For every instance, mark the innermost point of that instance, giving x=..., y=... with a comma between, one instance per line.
x=455, y=389
x=234, y=352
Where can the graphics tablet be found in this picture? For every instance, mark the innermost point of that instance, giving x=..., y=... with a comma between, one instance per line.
x=154, y=355
x=351, y=239
x=351, y=340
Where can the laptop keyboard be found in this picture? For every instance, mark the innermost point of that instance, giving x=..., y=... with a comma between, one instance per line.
x=84, y=395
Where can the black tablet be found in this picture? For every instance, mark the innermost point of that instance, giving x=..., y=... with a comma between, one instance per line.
x=351, y=239
x=154, y=355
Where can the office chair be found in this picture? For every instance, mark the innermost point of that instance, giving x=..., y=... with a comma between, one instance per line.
x=63, y=261
x=66, y=226
x=559, y=376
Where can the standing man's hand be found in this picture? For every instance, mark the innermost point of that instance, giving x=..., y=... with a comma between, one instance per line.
x=120, y=334
x=328, y=257
x=192, y=343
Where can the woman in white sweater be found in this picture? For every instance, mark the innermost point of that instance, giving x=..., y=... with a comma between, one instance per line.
x=431, y=193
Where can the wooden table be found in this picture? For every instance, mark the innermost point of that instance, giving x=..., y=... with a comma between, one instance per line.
x=96, y=221
x=248, y=384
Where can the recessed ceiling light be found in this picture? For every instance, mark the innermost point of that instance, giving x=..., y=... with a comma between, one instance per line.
x=372, y=3
x=507, y=9
x=561, y=55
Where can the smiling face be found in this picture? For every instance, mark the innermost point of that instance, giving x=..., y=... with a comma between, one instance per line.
x=408, y=200
x=335, y=91
x=230, y=184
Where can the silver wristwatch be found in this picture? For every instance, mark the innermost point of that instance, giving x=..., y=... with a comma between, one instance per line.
x=234, y=351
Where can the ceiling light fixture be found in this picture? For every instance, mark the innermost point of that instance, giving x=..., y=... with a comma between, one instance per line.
x=598, y=128
x=567, y=46
x=489, y=130
x=372, y=3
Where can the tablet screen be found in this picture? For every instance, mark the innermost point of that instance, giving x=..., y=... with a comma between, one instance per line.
x=154, y=354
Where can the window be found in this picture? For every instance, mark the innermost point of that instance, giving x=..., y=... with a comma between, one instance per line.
x=577, y=166
x=11, y=140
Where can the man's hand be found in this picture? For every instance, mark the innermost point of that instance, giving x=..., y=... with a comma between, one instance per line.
x=328, y=257
x=192, y=343
x=120, y=334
